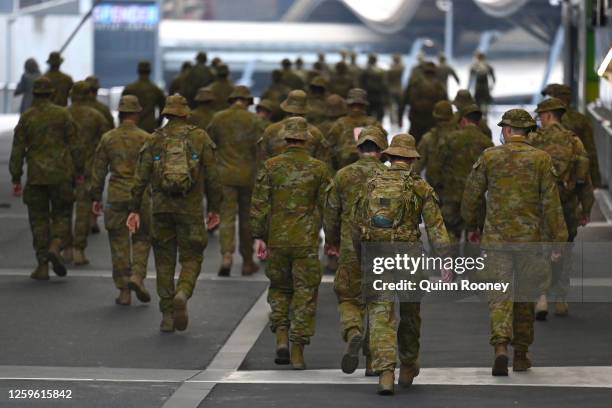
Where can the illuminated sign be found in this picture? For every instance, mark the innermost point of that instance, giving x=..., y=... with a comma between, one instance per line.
x=126, y=16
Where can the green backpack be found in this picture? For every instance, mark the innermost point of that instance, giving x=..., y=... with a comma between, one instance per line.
x=175, y=168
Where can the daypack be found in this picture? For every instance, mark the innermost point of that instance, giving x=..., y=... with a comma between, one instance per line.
x=564, y=157
x=175, y=167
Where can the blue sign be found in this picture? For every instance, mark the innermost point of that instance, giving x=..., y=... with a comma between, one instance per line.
x=126, y=16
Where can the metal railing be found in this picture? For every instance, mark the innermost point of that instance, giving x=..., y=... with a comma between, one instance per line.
x=602, y=131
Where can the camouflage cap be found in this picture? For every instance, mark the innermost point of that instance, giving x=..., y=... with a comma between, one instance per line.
x=286, y=62
x=55, y=58
x=296, y=128
x=374, y=134
x=201, y=57
x=94, y=82
x=129, y=104
x=42, y=86
x=176, y=105
x=557, y=90
x=443, y=110
x=402, y=145
x=550, y=104
x=517, y=118
x=266, y=104
x=429, y=67
x=295, y=102
x=357, y=96
x=471, y=108
x=80, y=90
x=241, y=92
x=336, y=106
x=463, y=98
x=319, y=82
x=222, y=70
x=341, y=67
x=144, y=66
x=204, y=95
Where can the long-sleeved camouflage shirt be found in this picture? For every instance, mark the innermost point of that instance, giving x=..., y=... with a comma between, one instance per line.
x=288, y=199
x=342, y=137
x=91, y=125
x=103, y=109
x=62, y=84
x=201, y=116
x=222, y=88
x=429, y=149
x=150, y=97
x=522, y=202
x=46, y=138
x=581, y=126
x=207, y=179
x=117, y=153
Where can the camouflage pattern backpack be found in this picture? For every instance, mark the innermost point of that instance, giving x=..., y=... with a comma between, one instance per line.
x=176, y=172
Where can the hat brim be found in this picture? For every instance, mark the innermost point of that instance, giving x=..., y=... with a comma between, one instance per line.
x=373, y=140
x=357, y=102
x=176, y=112
x=292, y=108
x=442, y=117
x=401, y=152
x=232, y=98
x=301, y=136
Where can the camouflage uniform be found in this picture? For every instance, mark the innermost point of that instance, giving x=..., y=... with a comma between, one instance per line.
x=336, y=108
x=150, y=97
x=222, y=88
x=462, y=100
x=354, y=69
x=236, y=131
x=480, y=72
x=444, y=71
x=386, y=336
x=203, y=113
x=374, y=80
x=317, y=101
x=286, y=210
x=94, y=85
x=199, y=76
x=341, y=81
x=289, y=78
x=178, y=224
x=177, y=83
x=61, y=82
x=46, y=138
x=522, y=206
x=276, y=92
x=117, y=154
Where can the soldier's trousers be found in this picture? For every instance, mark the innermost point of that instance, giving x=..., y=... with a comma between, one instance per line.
x=387, y=337
x=451, y=212
x=125, y=263
x=377, y=109
x=236, y=201
x=295, y=276
x=49, y=212
x=420, y=123
x=182, y=234
x=562, y=269
x=77, y=237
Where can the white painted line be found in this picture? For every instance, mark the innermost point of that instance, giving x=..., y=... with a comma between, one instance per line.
x=44, y=373
x=13, y=216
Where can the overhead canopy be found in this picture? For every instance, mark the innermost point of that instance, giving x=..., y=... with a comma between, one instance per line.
x=500, y=8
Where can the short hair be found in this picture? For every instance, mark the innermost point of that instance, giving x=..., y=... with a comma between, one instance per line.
x=558, y=113
x=473, y=117
x=294, y=141
x=520, y=131
x=122, y=115
x=369, y=147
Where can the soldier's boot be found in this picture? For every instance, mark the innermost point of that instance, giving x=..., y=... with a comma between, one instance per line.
x=369, y=371
x=561, y=308
x=79, y=258
x=124, y=298
x=95, y=228
x=350, y=359
x=521, y=361
x=386, y=383
x=167, y=323
x=67, y=255
x=56, y=258
x=136, y=283
x=41, y=272
x=297, y=356
x=407, y=374
x=226, y=265
x=180, y=311
x=282, y=346
x=500, y=365
x=541, y=308
x=249, y=268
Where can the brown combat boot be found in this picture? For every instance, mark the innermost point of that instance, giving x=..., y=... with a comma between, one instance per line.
x=167, y=323
x=79, y=258
x=56, y=258
x=124, y=298
x=500, y=365
x=561, y=309
x=136, y=284
x=369, y=371
x=386, y=383
x=521, y=361
x=180, y=311
x=297, y=356
x=41, y=272
x=350, y=359
x=226, y=265
x=407, y=374
x=282, y=346
x=249, y=268
x=541, y=308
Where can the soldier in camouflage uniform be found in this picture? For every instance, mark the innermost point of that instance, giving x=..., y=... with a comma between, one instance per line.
x=91, y=125
x=117, y=154
x=464, y=99
x=61, y=82
x=445, y=71
x=222, y=88
x=177, y=83
x=580, y=125
x=204, y=111
x=374, y=81
x=341, y=200
x=421, y=95
x=341, y=81
x=317, y=101
x=394, y=79
x=276, y=92
x=429, y=146
x=458, y=152
x=289, y=78
x=576, y=193
x=94, y=86
x=336, y=108
x=149, y=96
x=236, y=131
x=46, y=138
x=522, y=206
x=179, y=165
x=343, y=135
x=272, y=142
x=354, y=68
x=386, y=337
x=199, y=76
x=264, y=111
x=286, y=212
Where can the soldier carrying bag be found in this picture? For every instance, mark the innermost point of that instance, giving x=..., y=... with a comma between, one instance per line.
x=176, y=169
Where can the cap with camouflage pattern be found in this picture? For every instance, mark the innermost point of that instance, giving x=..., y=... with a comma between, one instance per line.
x=266, y=104
x=129, y=104
x=42, y=86
x=402, y=145
x=375, y=135
x=471, y=108
x=80, y=90
x=357, y=96
x=517, y=118
x=443, y=110
x=241, y=92
x=176, y=105
x=296, y=128
x=94, y=82
x=295, y=103
x=336, y=106
x=557, y=90
x=551, y=104
x=463, y=98
x=204, y=95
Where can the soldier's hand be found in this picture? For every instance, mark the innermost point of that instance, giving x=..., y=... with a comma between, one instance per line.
x=585, y=220
x=97, y=208
x=261, y=249
x=447, y=275
x=17, y=190
x=555, y=255
x=474, y=237
x=212, y=220
x=133, y=222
